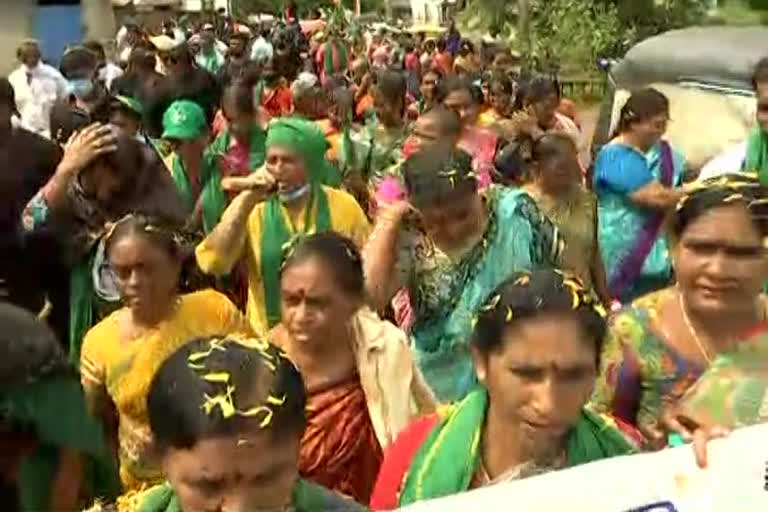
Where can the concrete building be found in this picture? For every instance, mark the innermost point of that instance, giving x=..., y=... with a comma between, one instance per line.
x=92, y=19
x=427, y=12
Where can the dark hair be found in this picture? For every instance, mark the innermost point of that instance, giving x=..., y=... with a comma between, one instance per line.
x=438, y=175
x=77, y=58
x=447, y=119
x=551, y=144
x=642, y=106
x=537, y=89
x=163, y=233
x=338, y=253
x=125, y=161
x=141, y=58
x=96, y=48
x=186, y=404
x=391, y=85
x=441, y=44
x=722, y=191
x=29, y=350
x=169, y=235
x=341, y=97
x=7, y=95
x=760, y=73
x=502, y=80
x=117, y=105
x=240, y=93
x=434, y=71
x=453, y=83
x=530, y=294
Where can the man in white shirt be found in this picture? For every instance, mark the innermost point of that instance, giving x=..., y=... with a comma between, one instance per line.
x=261, y=50
x=37, y=88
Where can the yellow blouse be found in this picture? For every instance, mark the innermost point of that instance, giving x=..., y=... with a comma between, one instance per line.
x=347, y=218
x=123, y=369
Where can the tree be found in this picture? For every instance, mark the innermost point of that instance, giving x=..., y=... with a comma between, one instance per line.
x=573, y=33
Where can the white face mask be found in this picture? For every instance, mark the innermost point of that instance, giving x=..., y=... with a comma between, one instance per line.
x=294, y=194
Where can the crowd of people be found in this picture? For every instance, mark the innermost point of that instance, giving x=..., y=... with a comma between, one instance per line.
x=254, y=267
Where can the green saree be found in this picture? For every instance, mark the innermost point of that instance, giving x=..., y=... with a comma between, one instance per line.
x=212, y=198
x=54, y=409
x=307, y=497
x=448, y=459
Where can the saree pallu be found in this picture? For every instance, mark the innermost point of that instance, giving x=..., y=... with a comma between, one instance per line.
x=733, y=391
x=439, y=455
x=446, y=294
x=636, y=257
x=339, y=449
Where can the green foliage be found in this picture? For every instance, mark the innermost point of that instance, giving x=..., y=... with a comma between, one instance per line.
x=571, y=34
x=242, y=8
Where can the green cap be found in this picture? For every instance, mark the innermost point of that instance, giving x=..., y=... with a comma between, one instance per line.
x=184, y=120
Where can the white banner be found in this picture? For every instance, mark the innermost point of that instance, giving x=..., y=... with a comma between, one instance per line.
x=668, y=481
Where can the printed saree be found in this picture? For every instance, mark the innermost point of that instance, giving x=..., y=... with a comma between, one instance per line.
x=445, y=294
x=733, y=391
x=339, y=449
x=237, y=159
x=446, y=458
x=307, y=497
x=635, y=256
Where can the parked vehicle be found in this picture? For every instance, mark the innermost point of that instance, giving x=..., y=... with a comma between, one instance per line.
x=706, y=72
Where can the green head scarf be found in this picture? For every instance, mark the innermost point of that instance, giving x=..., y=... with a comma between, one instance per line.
x=305, y=138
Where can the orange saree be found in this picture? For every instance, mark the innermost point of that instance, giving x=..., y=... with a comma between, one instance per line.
x=339, y=449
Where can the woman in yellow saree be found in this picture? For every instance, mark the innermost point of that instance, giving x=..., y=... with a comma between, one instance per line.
x=122, y=352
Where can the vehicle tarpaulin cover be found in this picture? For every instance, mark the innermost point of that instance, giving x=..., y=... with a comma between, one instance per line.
x=716, y=55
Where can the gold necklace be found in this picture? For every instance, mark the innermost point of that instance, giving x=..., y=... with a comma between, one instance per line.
x=692, y=329
x=694, y=332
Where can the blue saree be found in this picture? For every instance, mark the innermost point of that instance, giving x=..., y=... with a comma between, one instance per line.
x=446, y=294
x=634, y=252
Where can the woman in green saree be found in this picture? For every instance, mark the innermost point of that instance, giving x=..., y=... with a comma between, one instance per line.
x=450, y=246
x=227, y=415
x=193, y=169
x=536, y=345
x=53, y=454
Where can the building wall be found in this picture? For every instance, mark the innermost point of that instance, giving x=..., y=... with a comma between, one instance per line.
x=18, y=21
x=427, y=11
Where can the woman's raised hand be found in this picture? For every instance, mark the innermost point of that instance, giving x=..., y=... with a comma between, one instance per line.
x=85, y=146
x=258, y=181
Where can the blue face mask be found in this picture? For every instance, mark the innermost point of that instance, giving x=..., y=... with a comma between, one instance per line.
x=81, y=87
x=295, y=194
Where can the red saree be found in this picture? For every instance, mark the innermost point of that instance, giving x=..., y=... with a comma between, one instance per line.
x=339, y=449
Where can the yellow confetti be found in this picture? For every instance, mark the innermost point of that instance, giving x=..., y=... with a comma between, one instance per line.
x=273, y=400
x=600, y=310
x=509, y=315
x=222, y=377
x=255, y=411
x=522, y=280
x=474, y=322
